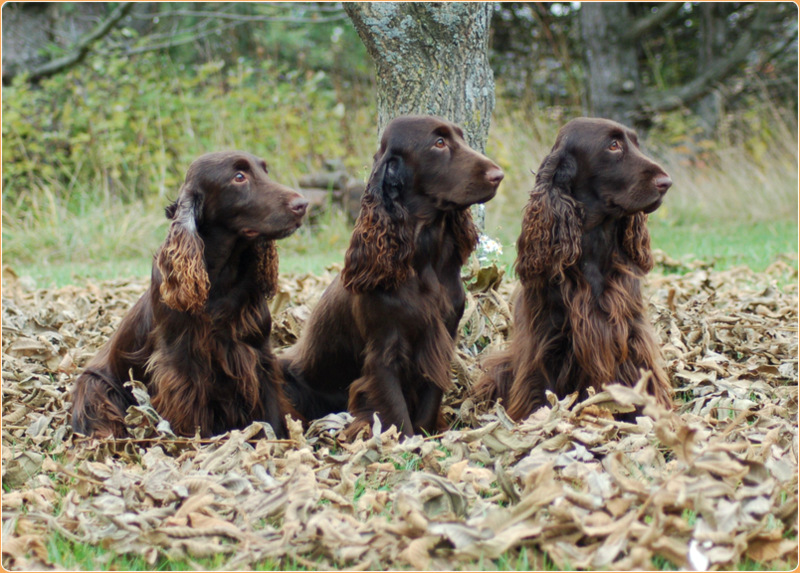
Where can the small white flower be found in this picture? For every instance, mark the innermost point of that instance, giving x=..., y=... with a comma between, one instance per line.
x=488, y=248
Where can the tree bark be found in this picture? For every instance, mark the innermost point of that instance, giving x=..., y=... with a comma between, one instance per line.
x=430, y=58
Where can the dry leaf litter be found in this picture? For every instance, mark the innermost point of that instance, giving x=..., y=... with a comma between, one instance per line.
x=703, y=487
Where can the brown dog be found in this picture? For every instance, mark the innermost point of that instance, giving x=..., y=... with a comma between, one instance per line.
x=199, y=337
x=579, y=318
x=382, y=336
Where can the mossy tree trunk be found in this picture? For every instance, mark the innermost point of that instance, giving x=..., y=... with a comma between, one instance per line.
x=430, y=58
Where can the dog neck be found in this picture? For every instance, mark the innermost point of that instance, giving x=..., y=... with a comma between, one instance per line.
x=598, y=253
x=223, y=253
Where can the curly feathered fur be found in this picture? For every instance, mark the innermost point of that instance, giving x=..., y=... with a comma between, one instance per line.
x=180, y=261
x=382, y=336
x=199, y=337
x=382, y=242
x=579, y=318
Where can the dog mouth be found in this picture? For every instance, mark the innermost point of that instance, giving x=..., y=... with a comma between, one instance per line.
x=623, y=210
x=450, y=205
x=489, y=196
x=252, y=234
x=652, y=206
x=289, y=230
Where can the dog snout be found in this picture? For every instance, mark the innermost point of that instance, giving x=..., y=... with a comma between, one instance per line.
x=299, y=205
x=495, y=175
x=663, y=183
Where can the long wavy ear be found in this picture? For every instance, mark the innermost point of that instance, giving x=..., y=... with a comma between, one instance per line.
x=550, y=240
x=185, y=283
x=267, y=256
x=636, y=241
x=465, y=233
x=379, y=255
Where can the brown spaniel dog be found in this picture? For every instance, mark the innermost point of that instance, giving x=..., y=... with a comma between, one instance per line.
x=382, y=336
x=579, y=318
x=199, y=337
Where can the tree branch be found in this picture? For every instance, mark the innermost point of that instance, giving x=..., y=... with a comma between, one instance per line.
x=255, y=17
x=316, y=7
x=771, y=55
x=80, y=50
x=662, y=101
x=647, y=24
x=174, y=42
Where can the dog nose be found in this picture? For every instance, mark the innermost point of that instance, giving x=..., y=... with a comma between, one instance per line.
x=495, y=175
x=298, y=206
x=663, y=182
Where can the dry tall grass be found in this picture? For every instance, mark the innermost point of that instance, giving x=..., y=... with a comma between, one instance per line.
x=720, y=183
x=726, y=185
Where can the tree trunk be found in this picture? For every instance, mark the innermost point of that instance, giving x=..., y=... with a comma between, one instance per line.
x=611, y=62
x=713, y=39
x=430, y=58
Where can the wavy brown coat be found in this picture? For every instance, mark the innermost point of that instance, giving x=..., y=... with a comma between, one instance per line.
x=199, y=337
x=579, y=318
x=381, y=338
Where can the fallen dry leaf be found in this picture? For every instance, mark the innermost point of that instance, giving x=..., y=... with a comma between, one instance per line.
x=703, y=486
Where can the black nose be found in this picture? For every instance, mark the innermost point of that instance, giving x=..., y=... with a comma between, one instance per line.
x=495, y=175
x=663, y=182
x=298, y=206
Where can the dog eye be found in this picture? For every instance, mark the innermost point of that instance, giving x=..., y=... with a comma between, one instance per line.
x=240, y=177
x=615, y=146
x=440, y=143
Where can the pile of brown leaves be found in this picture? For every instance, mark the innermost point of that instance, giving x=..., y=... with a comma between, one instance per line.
x=702, y=487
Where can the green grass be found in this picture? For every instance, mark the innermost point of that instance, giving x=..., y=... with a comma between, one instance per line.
x=727, y=244
x=316, y=245
x=748, y=564
x=57, y=241
x=41, y=254
x=525, y=560
x=68, y=554
x=71, y=555
x=736, y=209
x=59, y=245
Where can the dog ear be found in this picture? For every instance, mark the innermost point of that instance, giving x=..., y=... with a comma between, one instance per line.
x=267, y=260
x=550, y=240
x=184, y=279
x=379, y=255
x=636, y=241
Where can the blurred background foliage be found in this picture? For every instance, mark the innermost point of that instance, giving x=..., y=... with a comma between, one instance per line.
x=92, y=152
